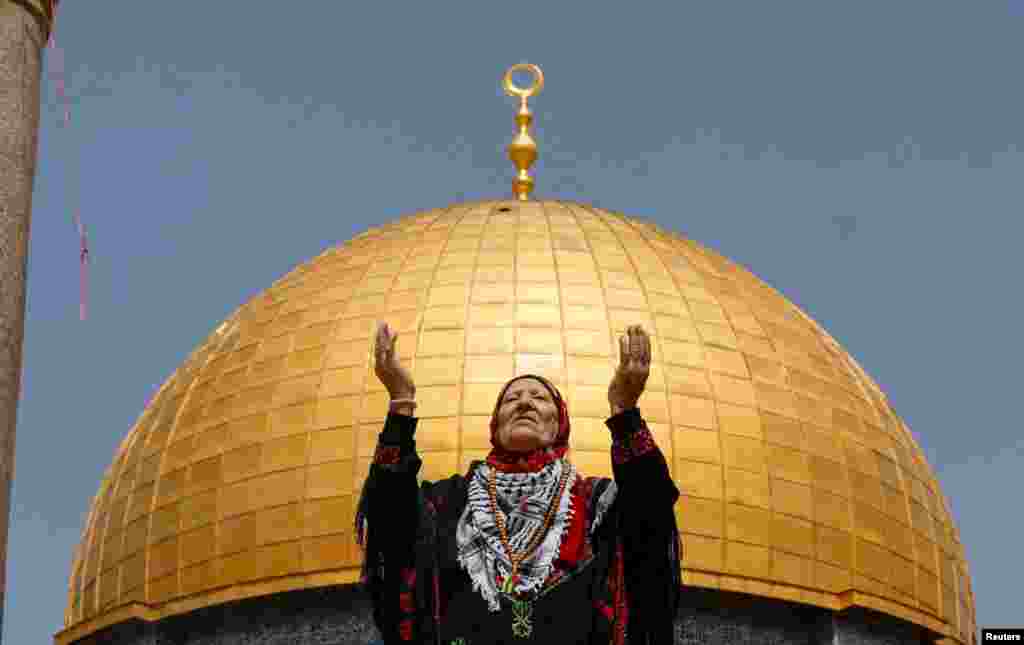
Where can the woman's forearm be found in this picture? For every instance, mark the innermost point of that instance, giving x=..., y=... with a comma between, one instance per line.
x=393, y=490
x=637, y=463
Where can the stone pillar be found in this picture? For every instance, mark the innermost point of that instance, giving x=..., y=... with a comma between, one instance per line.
x=24, y=29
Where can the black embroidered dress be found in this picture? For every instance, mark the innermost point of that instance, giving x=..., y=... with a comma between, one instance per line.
x=618, y=584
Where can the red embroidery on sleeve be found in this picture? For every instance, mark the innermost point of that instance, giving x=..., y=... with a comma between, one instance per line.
x=617, y=582
x=405, y=629
x=630, y=446
x=409, y=577
x=386, y=455
x=406, y=598
x=405, y=602
x=642, y=442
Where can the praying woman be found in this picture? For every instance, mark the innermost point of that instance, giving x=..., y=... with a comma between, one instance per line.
x=522, y=548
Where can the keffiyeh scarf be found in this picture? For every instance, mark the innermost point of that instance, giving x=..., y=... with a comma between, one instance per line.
x=523, y=498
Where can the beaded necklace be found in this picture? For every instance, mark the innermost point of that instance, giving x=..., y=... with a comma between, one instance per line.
x=522, y=609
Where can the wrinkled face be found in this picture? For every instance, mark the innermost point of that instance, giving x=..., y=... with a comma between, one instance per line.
x=527, y=417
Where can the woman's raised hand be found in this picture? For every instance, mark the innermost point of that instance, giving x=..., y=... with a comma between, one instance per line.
x=634, y=367
x=395, y=377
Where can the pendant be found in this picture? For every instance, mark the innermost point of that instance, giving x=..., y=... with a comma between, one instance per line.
x=522, y=612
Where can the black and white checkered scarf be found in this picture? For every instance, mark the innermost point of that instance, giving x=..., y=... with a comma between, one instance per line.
x=523, y=499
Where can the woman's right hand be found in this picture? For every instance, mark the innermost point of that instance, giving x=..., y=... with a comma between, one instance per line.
x=395, y=377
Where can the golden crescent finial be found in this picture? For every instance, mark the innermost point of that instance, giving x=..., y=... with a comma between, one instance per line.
x=538, y=81
x=523, y=149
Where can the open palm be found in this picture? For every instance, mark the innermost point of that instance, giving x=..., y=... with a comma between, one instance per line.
x=634, y=367
x=395, y=377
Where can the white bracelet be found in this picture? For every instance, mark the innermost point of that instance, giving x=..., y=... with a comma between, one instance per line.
x=394, y=402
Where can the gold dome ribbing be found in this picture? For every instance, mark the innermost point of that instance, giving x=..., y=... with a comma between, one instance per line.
x=798, y=479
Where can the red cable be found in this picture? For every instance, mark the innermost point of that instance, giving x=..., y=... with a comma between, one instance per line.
x=57, y=71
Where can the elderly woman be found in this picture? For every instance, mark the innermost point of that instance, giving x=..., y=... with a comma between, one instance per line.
x=522, y=548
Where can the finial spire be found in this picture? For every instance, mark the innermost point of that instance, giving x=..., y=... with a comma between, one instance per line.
x=523, y=149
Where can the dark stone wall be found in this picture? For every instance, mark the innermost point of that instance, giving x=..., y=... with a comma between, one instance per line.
x=341, y=616
x=325, y=616
x=860, y=627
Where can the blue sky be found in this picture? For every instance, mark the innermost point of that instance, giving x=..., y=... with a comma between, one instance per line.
x=863, y=158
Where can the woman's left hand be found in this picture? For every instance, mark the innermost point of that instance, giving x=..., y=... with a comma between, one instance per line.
x=634, y=367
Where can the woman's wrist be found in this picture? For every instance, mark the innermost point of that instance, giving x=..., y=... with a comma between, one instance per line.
x=403, y=404
x=619, y=408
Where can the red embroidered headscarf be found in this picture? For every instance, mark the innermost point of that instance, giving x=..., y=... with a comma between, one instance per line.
x=516, y=462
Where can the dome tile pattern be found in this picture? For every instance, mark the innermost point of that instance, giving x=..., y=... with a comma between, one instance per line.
x=798, y=479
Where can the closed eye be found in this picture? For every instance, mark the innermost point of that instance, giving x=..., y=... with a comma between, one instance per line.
x=534, y=393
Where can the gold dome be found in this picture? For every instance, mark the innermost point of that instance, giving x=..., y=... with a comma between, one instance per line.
x=798, y=479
